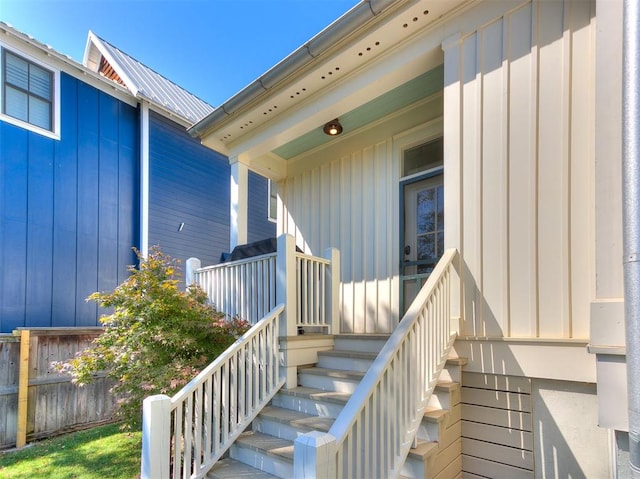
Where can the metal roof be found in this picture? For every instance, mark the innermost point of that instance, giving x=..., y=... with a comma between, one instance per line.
x=143, y=82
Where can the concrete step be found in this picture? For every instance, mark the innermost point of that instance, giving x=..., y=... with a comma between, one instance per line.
x=311, y=401
x=232, y=469
x=288, y=424
x=270, y=454
x=330, y=379
x=346, y=360
x=363, y=343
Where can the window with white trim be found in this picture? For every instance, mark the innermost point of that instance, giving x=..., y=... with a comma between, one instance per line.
x=28, y=93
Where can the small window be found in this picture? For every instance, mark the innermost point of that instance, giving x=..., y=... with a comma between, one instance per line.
x=273, y=202
x=423, y=157
x=27, y=92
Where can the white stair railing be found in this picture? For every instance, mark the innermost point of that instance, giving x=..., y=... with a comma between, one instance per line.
x=185, y=435
x=244, y=288
x=372, y=435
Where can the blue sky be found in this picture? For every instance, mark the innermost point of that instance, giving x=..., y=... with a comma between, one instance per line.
x=212, y=48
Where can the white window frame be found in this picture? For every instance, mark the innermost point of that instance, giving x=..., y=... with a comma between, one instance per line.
x=54, y=133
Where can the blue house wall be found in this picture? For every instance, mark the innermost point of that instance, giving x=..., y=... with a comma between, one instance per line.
x=68, y=210
x=189, y=184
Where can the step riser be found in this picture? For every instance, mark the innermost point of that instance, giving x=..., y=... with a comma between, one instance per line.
x=327, y=383
x=414, y=468
x=442, y=399
x=428, y=431
x=359, y=345
x=276, y=428
x=451, y=373
x=267, y=463
x=344, y=363
x=307, y=406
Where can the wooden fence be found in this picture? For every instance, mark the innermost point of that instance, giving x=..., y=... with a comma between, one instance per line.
x=37, y=401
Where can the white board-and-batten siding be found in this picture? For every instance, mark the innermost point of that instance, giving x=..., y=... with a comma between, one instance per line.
x=519, y=96
x=347, y=197
x=348, y=203
x=518, y=127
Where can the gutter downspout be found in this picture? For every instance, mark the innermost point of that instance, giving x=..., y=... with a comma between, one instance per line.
x=144, y=179
x=350, y=22
x=631, y=218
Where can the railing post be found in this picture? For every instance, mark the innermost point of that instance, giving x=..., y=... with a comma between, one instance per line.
x=314, y=456
x=191, y=265
x=332, y=307
x=156, y=437
x=286, y=283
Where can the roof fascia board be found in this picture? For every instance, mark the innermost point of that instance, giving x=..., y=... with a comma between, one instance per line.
x=296, y=63
x=19, y=40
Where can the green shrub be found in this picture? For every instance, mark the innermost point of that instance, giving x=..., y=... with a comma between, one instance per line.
x=157, y=337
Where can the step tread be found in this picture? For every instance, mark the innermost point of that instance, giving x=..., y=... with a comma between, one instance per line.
x=457, y=361
x=232, y=469
x=424, y=449
x=376, y=336
x=297, y=419
x=317, y=394
x=435, y=414
x=333, y=373
x=269, y=444
x=350, y=354
x=448, y=385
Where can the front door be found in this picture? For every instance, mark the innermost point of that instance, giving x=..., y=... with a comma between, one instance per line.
x=423, y=237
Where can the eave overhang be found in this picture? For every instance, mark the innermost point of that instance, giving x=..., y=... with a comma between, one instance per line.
x=396, y=44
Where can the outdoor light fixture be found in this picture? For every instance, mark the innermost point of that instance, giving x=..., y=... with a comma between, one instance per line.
x=333, y=128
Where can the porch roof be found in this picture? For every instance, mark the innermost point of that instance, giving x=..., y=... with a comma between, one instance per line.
x=371, y=51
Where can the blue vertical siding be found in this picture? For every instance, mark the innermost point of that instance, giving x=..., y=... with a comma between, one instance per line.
x=68, y=210
x=258, y=225
x=188, y=184
x=65, y=201
x=13, y=267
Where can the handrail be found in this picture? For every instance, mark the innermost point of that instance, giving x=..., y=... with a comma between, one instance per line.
x=375, y=430
x=186, y=434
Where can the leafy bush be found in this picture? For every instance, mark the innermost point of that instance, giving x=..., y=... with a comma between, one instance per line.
x=157, y=337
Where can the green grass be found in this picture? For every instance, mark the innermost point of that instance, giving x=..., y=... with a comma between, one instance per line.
x=103, y=452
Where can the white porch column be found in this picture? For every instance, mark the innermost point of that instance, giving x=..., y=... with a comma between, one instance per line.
x=452, y=141
x=239, y=203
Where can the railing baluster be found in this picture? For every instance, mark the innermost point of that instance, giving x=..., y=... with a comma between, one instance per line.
x=217, y=389
x=177, y=437
x=188, y=435
x=197, y=428
x=208, y=420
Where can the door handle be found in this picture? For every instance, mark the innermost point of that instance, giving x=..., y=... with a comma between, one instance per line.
x=407, y=250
